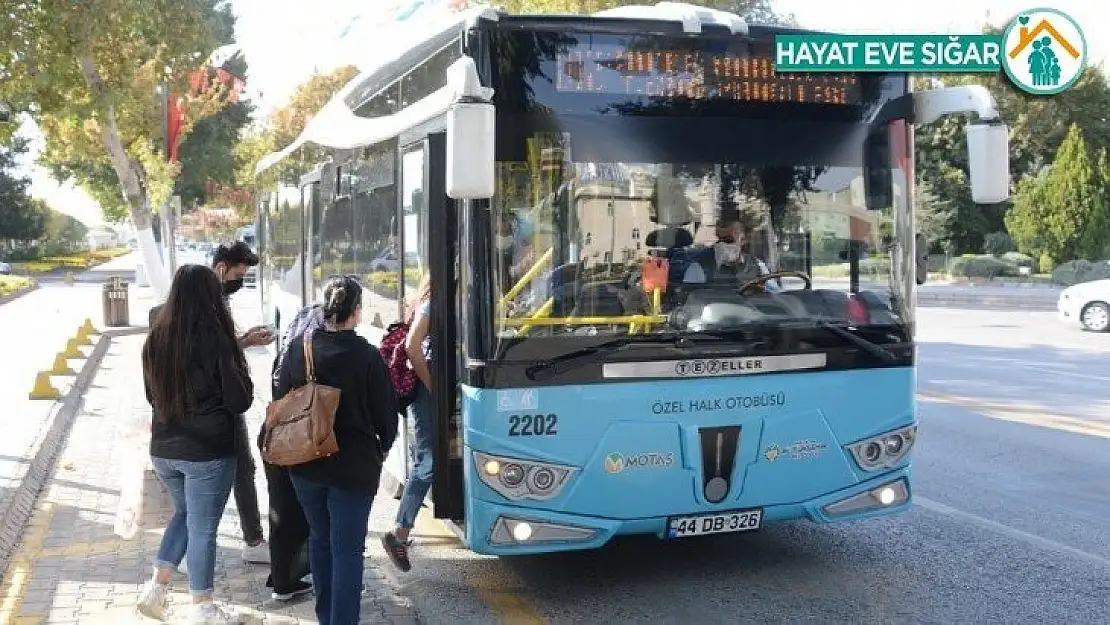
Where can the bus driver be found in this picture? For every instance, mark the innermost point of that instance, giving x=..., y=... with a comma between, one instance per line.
x=726, y=263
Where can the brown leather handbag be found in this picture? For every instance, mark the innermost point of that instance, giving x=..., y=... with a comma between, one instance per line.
x=300, y=427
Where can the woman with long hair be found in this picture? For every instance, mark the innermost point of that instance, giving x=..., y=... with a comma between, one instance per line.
x=197, y=383
x=336, y=492
x=418, y=347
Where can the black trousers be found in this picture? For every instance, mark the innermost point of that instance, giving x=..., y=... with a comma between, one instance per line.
x=246, y=496
x=288, y=531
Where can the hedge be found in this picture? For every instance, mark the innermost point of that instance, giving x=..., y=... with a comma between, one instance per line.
x=12, y=284
x=71, y=262
x=984, y=266
x=1077, y=271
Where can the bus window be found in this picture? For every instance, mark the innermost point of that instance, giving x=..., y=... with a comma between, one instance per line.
x=377, y=259
x=415, y=215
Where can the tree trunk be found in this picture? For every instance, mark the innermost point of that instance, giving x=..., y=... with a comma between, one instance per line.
x=131, y=178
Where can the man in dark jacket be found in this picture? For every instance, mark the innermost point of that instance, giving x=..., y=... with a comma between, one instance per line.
x=231, y=263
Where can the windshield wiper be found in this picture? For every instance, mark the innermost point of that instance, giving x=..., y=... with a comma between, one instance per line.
x=876, y=350
x=566, y=362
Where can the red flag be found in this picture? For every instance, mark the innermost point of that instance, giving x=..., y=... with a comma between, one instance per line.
x=175, y=119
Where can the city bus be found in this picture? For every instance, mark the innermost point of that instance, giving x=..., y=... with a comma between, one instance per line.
x=559, y=178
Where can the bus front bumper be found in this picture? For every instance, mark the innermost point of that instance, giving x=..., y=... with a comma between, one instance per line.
x=499, y=529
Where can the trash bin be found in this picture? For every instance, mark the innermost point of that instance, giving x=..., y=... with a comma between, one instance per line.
x=116, y=305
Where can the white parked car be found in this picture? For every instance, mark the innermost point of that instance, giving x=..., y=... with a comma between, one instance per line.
x=5, y=269
x=1087, y=303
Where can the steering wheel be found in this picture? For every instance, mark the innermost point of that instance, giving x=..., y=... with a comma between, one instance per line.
x=760, y=283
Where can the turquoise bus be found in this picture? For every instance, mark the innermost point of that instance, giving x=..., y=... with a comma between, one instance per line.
x=673, y=289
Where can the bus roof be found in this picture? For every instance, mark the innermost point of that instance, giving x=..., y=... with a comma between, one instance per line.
x=336, y=126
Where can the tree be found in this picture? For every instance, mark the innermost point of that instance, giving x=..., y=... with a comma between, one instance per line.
x=757, y=11
x=933, y=216
x=87, y=72
x=286, y=124
x=64, y=234
x=1038, y=126
x=1062, y=213
x=21, y=217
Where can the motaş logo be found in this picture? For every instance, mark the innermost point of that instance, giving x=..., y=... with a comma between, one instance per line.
x=617, y=462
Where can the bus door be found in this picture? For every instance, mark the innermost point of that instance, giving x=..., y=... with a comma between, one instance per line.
x=436, y=222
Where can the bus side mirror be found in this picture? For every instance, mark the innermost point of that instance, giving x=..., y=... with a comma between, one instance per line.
x=921, y=258
x=988, y=157
x=470, y=151
x=470, y=134
x=878, y=181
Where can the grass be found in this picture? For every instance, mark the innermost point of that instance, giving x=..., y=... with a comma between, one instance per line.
x=13, y=284
x=71, y=262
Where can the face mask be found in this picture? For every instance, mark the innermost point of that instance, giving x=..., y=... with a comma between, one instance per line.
x=231, y=286
x=504, y=242
x=726, y=252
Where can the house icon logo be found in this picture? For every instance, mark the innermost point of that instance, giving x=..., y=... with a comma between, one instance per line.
x=1044, y=51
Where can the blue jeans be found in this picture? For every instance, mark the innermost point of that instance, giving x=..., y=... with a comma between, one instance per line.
x=199, y=491
x=337, y=524
x=421, y=451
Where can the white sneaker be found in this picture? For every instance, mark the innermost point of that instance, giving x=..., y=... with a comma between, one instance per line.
x=209, y=613
x=257, y=554
x=153, y=600
x=181, y=568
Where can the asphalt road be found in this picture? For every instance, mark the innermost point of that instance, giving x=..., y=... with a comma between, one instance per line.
x=1012, y=523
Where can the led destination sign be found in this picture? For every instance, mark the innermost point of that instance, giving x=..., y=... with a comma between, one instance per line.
x=697, y=75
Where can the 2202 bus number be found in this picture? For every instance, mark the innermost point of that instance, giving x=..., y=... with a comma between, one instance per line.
x=533, y=425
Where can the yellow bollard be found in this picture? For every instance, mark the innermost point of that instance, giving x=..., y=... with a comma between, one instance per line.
x=61, y=366
x=43, y=388
x=89, y=328
x=68, y=278
x=83, y=337
x=71, y=350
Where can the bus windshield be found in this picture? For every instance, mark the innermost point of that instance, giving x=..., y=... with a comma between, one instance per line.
x=657, y=247
x=651, y=185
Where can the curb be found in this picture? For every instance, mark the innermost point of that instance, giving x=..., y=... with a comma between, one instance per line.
x=40, y=468
x=11, y=297
x=988, y=302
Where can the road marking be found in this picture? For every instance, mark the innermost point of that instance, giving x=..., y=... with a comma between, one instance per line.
x=1013, y=532
x=510, y=607
x=1028, y=415
x=22, y=563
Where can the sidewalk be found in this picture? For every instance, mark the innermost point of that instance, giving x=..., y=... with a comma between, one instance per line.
x=39, y=325
x=73, y=568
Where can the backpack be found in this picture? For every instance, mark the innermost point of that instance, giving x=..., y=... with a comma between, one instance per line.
x=401, y=374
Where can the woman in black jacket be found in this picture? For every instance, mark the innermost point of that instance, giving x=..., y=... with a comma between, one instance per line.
x=336, y=492
x=197, y=383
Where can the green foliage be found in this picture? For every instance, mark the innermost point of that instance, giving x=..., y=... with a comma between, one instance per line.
x=1038, y=127
x=755, y=11
x=998, y=243
x=981, y=267
x=21, y=217
x=1077, y=271
x=64, y=234
x=1062, y=213
x=87, y=72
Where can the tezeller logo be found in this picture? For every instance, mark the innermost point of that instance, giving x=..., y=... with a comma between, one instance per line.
x=1044, y=51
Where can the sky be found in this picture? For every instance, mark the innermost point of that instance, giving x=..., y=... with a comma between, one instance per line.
x=285, y=41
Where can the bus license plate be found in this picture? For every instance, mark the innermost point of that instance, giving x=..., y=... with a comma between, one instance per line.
x=720, y=523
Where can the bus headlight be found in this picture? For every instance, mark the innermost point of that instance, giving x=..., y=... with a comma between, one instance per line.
x=522, y=479
x=885, y=450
